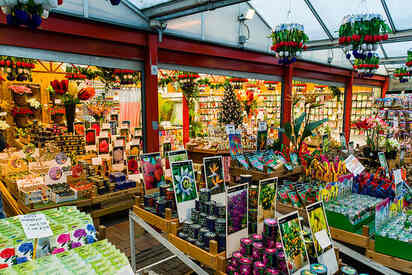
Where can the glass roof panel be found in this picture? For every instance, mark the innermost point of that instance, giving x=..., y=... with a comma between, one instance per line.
x=401, y=12
x=143, y=4
x=275, y=13
x=332, y=15
x=397, y=49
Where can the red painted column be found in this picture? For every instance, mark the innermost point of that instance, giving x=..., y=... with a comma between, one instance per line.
x=186, y=125
x=286, y=113
x=348, y=107
x=385, y=87
x=151, y=98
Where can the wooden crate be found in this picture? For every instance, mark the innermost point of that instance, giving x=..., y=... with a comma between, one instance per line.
x=351, y=238
x=212, y=259
x=390, y=261
x=164, y=224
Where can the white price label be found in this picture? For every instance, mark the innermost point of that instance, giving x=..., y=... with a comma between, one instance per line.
x=230, y=129
x=262, y=126
x=353, y=165
x=35, y=226
x=105, y=126
x=323, y=238
x=58, y=101
x=118, y=142
x=398, y=176
x=97, y=161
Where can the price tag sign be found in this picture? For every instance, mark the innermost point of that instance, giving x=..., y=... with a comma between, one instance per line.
x=58, y=101
x=398, y=176
x=105, y=126
x=97, y=161
x=230, y=129
x=118, y=142
x=353, y=165
x=104, y=134
x=35, y=226
x=262, y=126
x=323, y=239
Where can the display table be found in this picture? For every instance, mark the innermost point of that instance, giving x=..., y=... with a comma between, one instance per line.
x=164, y=224
x=197, y=155
x=97, y=206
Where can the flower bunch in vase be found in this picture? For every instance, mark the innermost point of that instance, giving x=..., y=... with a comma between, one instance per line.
x=373, y=127
x=288, y=41
x=367, y=66
x=402, y=74
x=27, y=12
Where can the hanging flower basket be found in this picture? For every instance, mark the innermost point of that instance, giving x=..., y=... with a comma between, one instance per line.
x=409, y=58
x=126, y=77
x=28, y=13
x=288, y=42
x=367, y=67
x=402, y=74
x=360, y=35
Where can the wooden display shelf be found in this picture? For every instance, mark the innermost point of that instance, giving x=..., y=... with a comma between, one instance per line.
x=164, y=224
x=98, y=206
x=281, y=173
x=390, y=261
x=197, y=155
x=212, y=259
x=351, y=238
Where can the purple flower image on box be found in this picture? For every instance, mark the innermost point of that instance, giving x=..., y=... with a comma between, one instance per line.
x=237, y=210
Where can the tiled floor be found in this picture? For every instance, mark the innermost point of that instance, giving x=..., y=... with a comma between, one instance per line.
x=148, y=250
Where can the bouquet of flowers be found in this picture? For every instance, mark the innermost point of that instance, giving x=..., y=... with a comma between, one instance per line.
x=373, y=126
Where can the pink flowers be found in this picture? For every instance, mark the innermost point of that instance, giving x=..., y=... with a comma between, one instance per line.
x=58, y=250
x=20, y=90
x=63, y=239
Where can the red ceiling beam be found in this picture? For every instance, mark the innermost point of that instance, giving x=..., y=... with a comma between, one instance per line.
x=326, y=69
x=368, y=82
x=24, y=37
x=196, y=60
x=91, y=29
x=313, y=75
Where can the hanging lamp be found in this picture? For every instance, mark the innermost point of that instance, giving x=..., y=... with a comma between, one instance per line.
x=288, y=40
x=359, y=35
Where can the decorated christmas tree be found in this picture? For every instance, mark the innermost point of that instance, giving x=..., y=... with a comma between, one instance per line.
x=231, y=112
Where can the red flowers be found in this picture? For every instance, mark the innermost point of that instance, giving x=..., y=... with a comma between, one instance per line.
x=188, y=76
x=271, y=82
x=120, y=71
x=86, y=93
x=7, y=253
x=237, y=79
x=21, y=111
x=366, y=38
x=73, y=76
x=132, y=165
x=60, y=87
x=18, y=64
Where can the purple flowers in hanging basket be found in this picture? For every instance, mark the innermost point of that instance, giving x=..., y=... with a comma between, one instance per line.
x=237, y=208
x=115, y=2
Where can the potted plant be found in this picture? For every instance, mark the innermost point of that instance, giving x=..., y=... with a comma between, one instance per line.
x=21, y=116
x=392, y=147
x=373, y=127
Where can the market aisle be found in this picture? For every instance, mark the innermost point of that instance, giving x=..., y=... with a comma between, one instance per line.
x=148, y=250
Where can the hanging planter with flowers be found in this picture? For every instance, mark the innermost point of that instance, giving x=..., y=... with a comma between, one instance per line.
x=288, y=41
x=368, y=66
x=359, y=35
x=17, y=69
x=28, y=12
x=402, y=74
x=409, y=58
x=126, y=77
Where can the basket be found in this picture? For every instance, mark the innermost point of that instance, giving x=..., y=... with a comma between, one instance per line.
x=20, y=100
x=22, y=121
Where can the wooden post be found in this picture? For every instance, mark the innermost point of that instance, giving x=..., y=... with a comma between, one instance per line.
x=286, y=101
x=173, y=228
x=151, y=104
x=385, y=87
x=168, y=214
x=102, y=232
x=213, y=247
x=347, y=113
x=186, y=122
x=365, y=231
